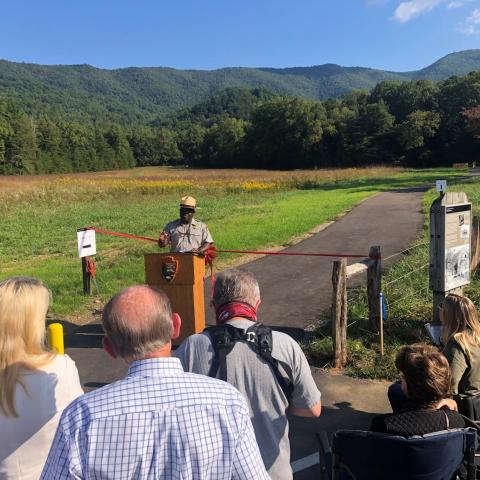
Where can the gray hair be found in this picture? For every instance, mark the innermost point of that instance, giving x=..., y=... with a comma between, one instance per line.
x=236, y=286
x=138, y=321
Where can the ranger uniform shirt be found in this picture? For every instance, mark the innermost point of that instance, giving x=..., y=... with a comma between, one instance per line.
x=185, y=237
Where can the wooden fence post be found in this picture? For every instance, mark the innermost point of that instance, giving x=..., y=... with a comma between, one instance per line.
x=374, y=287
x=475, y=244
x=339, y=312
x=87, y=286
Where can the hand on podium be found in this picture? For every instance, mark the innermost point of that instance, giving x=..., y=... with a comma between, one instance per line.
x=163, y=239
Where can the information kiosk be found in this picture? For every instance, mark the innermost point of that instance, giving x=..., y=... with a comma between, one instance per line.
x=450, y=231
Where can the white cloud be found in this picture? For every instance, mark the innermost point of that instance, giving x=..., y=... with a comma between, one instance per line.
x=471, y=25
x=458, y=3
x=408, y=10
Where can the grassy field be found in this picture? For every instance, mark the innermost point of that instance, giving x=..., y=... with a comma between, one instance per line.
x=409, y=302
x=244, y=209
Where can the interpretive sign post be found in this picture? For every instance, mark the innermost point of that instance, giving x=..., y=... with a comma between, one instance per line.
x=450, y=231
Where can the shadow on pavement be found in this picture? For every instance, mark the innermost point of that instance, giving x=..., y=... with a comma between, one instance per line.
x=81, y=336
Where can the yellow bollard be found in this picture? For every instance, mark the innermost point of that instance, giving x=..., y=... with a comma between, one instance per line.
x=55, y=338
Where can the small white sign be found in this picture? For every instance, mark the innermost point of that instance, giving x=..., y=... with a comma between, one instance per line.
x=86, y=243
x=441, y=186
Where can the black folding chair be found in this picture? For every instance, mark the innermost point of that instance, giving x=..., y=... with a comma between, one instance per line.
x=469, y=407
x=359, y=455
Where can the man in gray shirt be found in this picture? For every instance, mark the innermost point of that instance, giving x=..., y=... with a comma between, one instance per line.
x=236, y=299
x=186, y=234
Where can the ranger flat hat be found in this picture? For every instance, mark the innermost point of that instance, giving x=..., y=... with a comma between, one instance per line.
x=188, y=202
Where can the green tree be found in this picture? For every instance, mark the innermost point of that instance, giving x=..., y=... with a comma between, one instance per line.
x=20, y=147
x=472, y=117
x=364, y=133
x=224, y=142
x=403, y=98
x=167, y=151
x=190, y=141
x=286, y=133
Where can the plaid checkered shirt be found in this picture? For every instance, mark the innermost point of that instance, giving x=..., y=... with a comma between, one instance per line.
x=156, y=423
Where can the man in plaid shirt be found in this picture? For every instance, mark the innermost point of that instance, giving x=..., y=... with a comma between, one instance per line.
x=158, y=421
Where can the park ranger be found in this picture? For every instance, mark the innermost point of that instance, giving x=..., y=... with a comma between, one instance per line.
x=186, y=234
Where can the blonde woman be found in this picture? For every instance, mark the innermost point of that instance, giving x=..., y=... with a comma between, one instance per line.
x=461, y=337
x=35, y=384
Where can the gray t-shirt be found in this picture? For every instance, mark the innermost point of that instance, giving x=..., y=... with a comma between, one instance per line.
x=254, y=378
x=185, y=237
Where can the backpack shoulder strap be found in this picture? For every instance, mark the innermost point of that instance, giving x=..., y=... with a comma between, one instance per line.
x=223, y=338
x=259, y=338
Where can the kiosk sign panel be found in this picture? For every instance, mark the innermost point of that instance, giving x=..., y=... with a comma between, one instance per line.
x=450, y=230
x=457, y=246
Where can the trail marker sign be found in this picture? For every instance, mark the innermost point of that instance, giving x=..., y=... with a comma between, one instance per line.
x=441, y=186
x=86, y=243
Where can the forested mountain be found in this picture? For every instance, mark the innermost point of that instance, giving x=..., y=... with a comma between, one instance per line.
x=139, y=95
x=416, y=123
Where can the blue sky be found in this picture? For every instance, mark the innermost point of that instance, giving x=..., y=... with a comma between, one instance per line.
x=206, y=34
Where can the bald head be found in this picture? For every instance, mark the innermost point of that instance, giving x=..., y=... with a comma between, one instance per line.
x=138, y=321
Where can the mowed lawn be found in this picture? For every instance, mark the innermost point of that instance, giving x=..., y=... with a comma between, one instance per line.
x=245, y=210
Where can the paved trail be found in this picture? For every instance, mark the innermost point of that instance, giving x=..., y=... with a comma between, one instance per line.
x=295, y=291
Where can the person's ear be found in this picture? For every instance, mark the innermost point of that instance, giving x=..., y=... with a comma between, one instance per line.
x=108, y=347
x=177, y=323
x=258, y=304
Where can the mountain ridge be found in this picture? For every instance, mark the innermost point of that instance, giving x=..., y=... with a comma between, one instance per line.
x=140, y=94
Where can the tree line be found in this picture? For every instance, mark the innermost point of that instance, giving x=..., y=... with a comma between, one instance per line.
x=413, y=123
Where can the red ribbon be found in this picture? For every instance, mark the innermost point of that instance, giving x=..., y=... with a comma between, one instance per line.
x=124, y=235
x=210, y=256
x=211, y=252
x=90, y=265
x=235, y=309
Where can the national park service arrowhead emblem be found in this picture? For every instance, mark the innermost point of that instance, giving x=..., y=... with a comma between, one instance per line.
x=169, y=268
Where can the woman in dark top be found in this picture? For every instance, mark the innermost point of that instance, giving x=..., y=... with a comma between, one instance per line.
x=425, y=380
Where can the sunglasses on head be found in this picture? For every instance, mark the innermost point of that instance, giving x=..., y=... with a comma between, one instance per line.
x=187, y=209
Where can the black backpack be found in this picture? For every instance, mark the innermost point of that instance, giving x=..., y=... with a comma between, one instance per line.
x=258, y=337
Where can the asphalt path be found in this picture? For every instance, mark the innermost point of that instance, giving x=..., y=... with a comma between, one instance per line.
x=296, y=293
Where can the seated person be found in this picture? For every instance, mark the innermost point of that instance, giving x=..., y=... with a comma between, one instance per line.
x=35, y=383
x=461, y=337
x=426, y=381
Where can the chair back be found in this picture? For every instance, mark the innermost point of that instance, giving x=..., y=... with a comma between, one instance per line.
x=359, y=455
x=469, y=406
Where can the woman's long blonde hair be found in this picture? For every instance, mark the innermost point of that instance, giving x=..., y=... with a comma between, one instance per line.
x=460, y=322
x=23, y=307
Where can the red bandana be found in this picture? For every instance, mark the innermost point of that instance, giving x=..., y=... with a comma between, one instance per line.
x=235, y=309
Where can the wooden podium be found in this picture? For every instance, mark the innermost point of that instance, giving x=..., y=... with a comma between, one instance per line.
x=180, y=276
